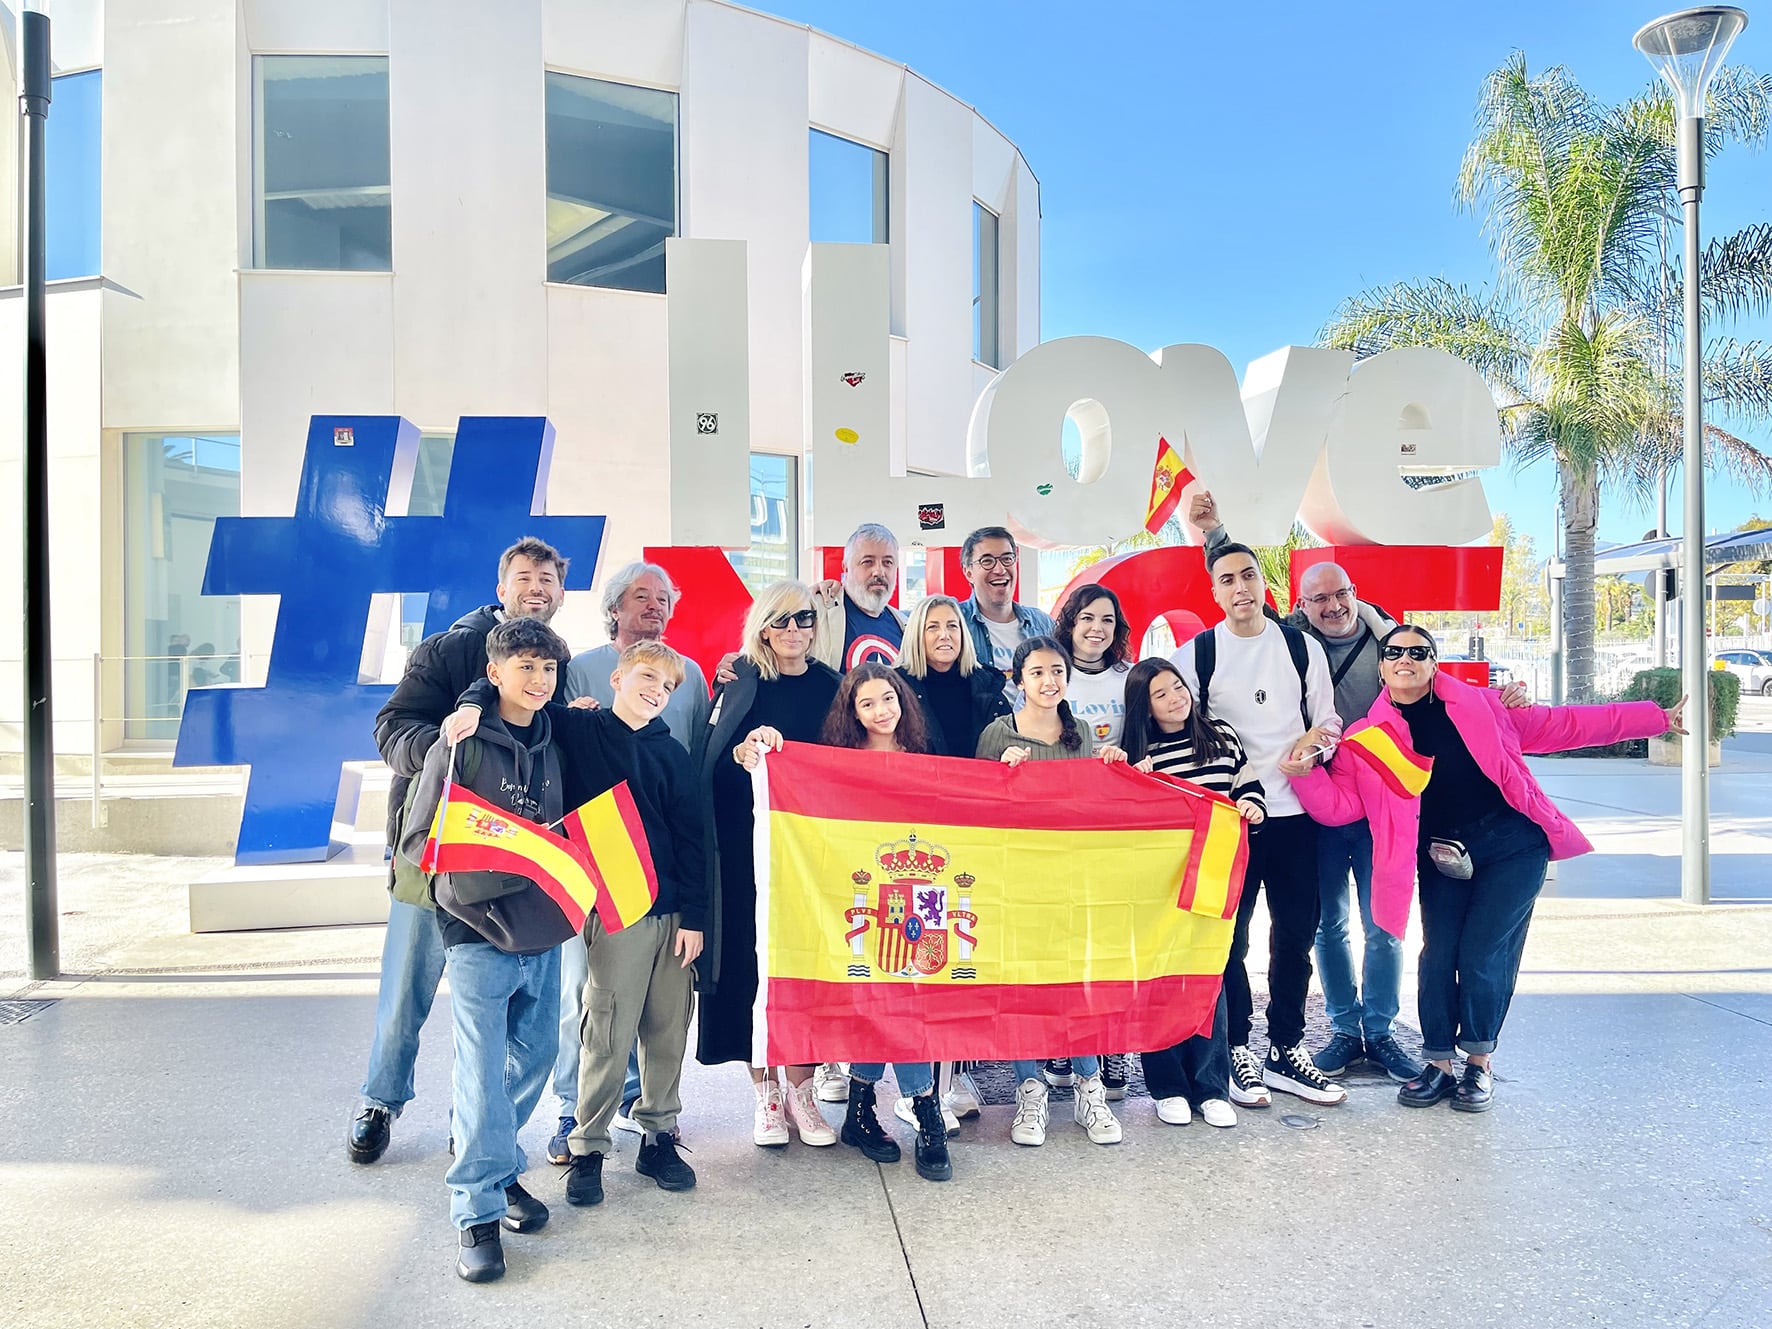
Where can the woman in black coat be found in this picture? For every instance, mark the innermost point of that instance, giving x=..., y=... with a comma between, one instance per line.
x=780, y=692
x=959, y=695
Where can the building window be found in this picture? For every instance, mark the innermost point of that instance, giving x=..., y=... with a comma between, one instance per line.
x=321, y=198
x=612, y=183
x=986, y=318
x=847, y=188
x=175, y=637
x=72, y=170
x=430, y=484
x=775, y=524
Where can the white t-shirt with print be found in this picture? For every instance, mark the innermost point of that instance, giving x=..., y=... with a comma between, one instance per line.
x=1255, y=691
x=1099, y=702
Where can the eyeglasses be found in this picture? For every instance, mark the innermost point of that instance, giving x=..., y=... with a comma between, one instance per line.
x=1398, y=652
x=1345, y=595
x=800, y=618
x=990, y=561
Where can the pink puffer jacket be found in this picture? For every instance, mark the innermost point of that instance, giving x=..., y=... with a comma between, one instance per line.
x=1498, y=738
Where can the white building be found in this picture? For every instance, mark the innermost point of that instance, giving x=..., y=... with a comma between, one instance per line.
x=263, y=209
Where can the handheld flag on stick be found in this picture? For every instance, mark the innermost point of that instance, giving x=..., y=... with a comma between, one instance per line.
x=1404, y=770
x=1169, y=478
x=608, y=829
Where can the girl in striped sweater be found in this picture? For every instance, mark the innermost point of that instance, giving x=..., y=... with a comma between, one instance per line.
x=1166, y=733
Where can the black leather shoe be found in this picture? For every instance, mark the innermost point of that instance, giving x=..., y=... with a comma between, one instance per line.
x=584, y=1182
x=369, y=1134
x=523, y=1212
x=933, y=1163
x=482, y=1256
x=1432, y=1086
x=1476, y=1091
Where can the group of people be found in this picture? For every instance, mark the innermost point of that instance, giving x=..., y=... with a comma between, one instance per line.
x=1255, y=709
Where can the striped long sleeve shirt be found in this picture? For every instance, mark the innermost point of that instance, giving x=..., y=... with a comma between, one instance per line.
x=1228, y=774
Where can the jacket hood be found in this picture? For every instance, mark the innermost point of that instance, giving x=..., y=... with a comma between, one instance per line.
x=522, y=756
x=483, y=619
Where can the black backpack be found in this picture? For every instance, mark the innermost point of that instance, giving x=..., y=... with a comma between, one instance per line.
x=1206, y=660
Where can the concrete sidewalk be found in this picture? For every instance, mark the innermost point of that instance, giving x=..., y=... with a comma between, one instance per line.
x=171, y=1150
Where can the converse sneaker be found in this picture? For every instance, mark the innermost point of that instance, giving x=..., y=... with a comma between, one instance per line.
x=1217, y=1112
x=1388, y=1053
x=1174, y=1111
x=557, y=1150
x=1116, y=1074
x=962, y=1098
x=1291, y=1071
x=1340, y=1052
x=905, y=1110
x=861, y=1126
x=802, y=1110
x=768, y=1126
x=1058, y=1073
x=831, y=1081
x=1029, y=1126
x=1092, y=1113
x=1247, y=1089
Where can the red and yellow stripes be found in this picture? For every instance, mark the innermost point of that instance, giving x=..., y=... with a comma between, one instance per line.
x=609, y=829
x=1404, y=771
x=1168, y=479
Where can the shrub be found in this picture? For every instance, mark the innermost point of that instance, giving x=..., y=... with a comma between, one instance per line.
x=1663, y=687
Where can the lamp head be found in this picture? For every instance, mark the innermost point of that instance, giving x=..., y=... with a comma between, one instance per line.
x=1687, y=49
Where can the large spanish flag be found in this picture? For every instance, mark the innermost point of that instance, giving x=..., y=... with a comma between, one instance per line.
x=931, y=909
x=1169, y=477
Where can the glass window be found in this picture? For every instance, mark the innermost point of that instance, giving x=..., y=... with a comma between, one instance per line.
x=847, y=189
x=71, y=176
x=986, y=348
x=321, y=198
x=612, y=183
x=174, y=636
x=775, y=524
x=430, y=483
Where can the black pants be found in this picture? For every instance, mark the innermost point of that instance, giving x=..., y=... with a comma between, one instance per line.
x=1474, y=932
x=1283, y=866
x=1196, y=1068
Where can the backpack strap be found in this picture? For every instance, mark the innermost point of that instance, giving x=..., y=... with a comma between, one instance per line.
x=1301, y=661
x=1205, y=661
x=1347, y=661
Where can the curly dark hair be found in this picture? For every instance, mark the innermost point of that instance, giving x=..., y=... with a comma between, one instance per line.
x=1064, y=623
x=842, y=729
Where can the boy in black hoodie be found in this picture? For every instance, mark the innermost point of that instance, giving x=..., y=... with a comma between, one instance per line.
x=501, y=940
x=641, y=984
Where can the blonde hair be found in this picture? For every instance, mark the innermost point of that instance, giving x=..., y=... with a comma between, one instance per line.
x=776, y=599
x=656, y=654
x=912, y=657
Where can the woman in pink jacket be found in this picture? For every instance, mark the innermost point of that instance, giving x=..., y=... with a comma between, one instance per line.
x=1478, y=837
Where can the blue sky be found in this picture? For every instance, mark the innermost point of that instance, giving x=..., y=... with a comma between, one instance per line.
x=1208, y=175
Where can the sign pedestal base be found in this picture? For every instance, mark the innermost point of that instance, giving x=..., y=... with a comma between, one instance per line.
x=348, y=890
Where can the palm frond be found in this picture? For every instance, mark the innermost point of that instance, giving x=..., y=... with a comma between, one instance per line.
x=1738, y=377
x=1736, y=275
x=1477, y=329
x=1737, y=458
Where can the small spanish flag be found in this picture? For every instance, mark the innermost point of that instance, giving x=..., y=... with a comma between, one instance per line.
x=469, y=834
x=1169, y=478
x=608, y=829
x=1404, y=770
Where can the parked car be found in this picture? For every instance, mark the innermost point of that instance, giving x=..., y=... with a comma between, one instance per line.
x=1753, y=668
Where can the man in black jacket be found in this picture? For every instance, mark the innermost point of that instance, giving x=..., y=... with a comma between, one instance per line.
x=531, y=584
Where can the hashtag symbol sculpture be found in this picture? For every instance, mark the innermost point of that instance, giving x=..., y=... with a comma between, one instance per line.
x=341, y=547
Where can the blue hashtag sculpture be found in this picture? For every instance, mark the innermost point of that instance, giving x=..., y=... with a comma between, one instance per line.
x=315, y=712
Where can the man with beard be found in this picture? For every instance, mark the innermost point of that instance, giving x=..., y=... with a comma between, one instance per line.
x=531, y=584
x=857, y=625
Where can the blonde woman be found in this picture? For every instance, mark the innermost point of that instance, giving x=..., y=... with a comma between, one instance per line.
x=941, y=664
x=778, y=691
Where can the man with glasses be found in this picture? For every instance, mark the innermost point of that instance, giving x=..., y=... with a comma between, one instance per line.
x=998, y=621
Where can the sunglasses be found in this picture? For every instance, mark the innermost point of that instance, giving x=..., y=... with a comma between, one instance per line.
x=802, y=618
x=1413, y=652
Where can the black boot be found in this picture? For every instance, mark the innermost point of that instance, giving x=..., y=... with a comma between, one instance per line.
x=482, y=1255
x=932, y=1139
x=861, y=1127
x=369, y=1134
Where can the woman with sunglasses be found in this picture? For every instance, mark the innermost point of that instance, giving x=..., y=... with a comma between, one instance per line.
x=1478, y=839
x=779, y=691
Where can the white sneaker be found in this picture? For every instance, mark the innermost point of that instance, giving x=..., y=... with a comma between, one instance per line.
x=802, y=1110
x=1093, y=1114
x=908, y=1114
x=831, y=1080
x=962, y=1097
x=623, y=1122
x=1217, y=1112
x=1175, y=1111
x=768, y=1128
x=1029, y=1126
x=1247, y=1088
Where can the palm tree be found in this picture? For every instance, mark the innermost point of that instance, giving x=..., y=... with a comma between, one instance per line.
x=1573, y=334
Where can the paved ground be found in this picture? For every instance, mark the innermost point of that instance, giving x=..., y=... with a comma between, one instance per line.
x=171, y=1149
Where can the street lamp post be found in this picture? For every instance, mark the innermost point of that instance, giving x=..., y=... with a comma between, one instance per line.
x=1686, y=49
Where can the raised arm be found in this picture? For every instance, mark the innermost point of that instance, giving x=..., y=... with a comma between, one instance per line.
x=1559, y=728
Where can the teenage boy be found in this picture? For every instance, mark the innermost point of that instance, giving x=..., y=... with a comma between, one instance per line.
x=501, y=943
x=641, y=985
x=1271, y=684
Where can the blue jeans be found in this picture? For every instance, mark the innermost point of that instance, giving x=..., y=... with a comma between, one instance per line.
x=914, y=1077
x=574, y=973
x=1368, y=1009
x=1030, y=1070
x=505, y=1009
x=411, y=968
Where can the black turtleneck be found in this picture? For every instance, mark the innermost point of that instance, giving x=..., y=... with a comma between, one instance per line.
x=1458, y=793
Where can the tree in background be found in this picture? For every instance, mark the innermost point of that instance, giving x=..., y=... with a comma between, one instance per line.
x=1573, y=334
x=1524, y=604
